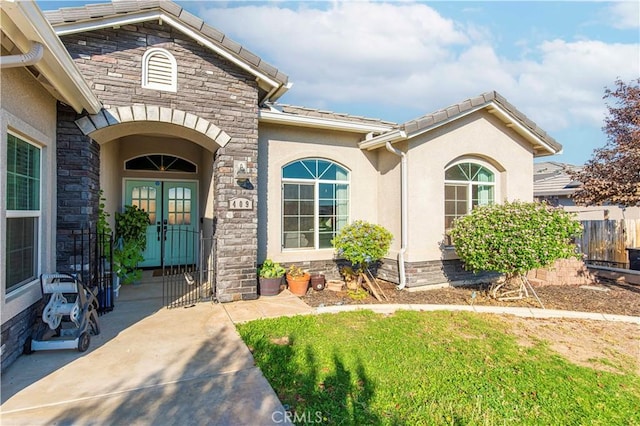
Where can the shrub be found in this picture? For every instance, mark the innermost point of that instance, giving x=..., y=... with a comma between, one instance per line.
x=513, y=238
x=362, y=243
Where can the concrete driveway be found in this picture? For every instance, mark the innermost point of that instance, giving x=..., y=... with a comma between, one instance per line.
x=149, y=365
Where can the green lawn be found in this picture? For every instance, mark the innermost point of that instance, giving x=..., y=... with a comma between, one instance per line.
x=428, y=368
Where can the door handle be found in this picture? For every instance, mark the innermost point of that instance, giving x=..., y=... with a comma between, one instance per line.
x=158, y=229
x=164, y=228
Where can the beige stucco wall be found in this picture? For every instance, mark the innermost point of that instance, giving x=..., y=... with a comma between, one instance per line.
x=28, y=111
x=280, y=145
x=479, y=137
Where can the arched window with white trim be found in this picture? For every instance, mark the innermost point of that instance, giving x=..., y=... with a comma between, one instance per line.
x=466, y=185
x=159, y=70
x=315, y=203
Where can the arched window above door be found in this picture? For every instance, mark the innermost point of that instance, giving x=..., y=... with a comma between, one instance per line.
x=160, y=163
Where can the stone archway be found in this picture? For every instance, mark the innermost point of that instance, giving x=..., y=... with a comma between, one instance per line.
x=111, y=123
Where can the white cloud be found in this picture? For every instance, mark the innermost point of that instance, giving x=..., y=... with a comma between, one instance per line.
x=625, y=14
x=405, y=59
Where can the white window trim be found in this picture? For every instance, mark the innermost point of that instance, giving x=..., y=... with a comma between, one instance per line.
x=471, y=184
x=316, y=202
x=173, y=87
x=26, y=213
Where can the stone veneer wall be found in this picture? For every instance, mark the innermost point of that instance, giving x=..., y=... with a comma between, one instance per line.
x=15, y=332
x=419, y=274
x=78, y=183
x=209, y=87
x=434, y=272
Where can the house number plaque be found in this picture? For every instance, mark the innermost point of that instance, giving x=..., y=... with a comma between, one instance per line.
x=240, y=204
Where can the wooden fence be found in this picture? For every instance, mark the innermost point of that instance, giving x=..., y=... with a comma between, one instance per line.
x=605, y=242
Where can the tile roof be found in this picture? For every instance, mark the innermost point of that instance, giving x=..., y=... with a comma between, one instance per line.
x=452, y=111
x=94, y=12
x=329, y=115
x=551, y=178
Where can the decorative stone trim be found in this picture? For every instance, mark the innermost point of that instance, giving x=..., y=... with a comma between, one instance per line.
x=112, y=116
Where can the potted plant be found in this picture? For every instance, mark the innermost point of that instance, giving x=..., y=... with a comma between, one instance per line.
x=298, y=280
x=270, y=277
x=131, y=237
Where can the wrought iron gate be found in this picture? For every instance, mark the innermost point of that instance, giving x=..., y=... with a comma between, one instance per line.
x=91, y=261
x=187, y=271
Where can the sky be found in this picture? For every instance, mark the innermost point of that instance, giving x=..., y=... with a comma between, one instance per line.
x=399, y=60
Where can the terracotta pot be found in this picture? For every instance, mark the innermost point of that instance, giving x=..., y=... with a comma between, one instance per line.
x=298, y=285
x=269, y=286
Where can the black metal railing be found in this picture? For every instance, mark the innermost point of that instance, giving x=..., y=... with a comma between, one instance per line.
x=92, y=262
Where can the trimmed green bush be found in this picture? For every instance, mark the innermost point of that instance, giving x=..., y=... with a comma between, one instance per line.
x=362, y=243
x=514, y=237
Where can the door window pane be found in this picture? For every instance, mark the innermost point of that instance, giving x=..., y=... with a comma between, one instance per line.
x=179, y=206
x=144, y=197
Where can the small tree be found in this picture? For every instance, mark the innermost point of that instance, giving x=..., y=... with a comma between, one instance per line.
x=362, y=244
x=514, y=238
x=612, y=175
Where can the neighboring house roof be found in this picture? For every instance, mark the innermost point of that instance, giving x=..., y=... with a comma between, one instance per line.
x=309, y=117
x=552, y=179
x=23, y=24
x=122, y=12
x=493, y=102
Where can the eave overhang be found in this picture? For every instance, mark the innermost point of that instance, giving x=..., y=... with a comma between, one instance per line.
x=276, y=117
x=541, y=148
x=26, y=25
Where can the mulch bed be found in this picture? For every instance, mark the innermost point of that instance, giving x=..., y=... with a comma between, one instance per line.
x=604, y=297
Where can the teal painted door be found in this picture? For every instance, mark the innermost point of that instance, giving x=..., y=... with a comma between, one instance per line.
x=173, y=224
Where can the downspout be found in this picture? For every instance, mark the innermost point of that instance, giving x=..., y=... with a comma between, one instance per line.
x=30, y=58
x=403, y=212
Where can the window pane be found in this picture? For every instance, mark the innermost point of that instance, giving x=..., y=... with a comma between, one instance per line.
x=456, y=172
x=457, y=202
x=306, y=192
x=312, y=219
x=22, y=251
x=290, y=208
x=296, y=170
x=327, y=191
x=22, y=193
x=307, y=208
x=484, y=175
x=23, y=175
x=482, y=195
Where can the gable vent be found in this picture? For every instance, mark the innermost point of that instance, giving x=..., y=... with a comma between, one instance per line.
x=159, y=70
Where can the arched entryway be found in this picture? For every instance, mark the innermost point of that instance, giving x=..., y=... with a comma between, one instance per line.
x=160, y=153
x=161, y=160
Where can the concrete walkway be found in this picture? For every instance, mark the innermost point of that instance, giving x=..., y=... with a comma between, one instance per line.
x=180, y=366
x=150, y=365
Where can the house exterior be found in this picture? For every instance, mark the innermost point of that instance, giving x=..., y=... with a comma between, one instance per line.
x=160, y=110
x=552, y=184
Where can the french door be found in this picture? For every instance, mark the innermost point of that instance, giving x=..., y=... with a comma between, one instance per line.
x=173, y=219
